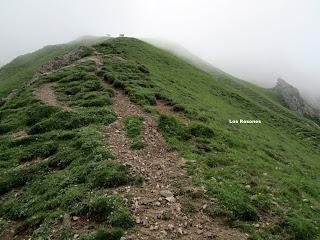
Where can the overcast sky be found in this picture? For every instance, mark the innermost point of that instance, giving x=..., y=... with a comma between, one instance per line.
x=256, y=40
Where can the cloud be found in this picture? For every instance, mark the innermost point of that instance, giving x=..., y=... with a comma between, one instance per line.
x=254, y=40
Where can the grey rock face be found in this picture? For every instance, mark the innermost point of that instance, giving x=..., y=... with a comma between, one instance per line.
x=166, y=193
x=293, y=100
x=58, y=63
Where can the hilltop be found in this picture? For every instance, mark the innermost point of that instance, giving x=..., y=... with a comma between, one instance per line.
x=120, y=138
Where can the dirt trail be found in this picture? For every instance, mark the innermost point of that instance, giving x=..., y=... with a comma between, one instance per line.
x=158, y=214
x=46, y=94
x=157, y=206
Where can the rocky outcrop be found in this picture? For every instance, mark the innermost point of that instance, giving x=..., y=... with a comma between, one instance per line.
x=291, y=97
x=60, y=62
x=52, y=65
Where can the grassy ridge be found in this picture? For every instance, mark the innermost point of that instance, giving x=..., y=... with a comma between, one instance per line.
x=21, y=69
x=262, y=178
x=62, y=166
x=260, y=175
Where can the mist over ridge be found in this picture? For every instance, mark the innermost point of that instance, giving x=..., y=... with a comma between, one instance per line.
x=255, y=41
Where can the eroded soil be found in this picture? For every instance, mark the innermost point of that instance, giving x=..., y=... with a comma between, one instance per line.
x=46, y=93
x=158, y=205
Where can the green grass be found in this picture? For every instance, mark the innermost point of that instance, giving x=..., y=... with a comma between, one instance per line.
x=255, y=172
x=63, y=164
x=266, y=173
x=21, y=69
x=133, y=127
x=188, y=208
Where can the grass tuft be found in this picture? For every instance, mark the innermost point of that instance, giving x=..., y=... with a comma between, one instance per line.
x=133, y=127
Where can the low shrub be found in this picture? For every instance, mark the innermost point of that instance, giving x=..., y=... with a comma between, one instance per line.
x=142, y=98
x=300, y=228
x=170, y=126
x=109, y=208
x=92, y=85
x=201, y=130
x=41, y=150
x=108, y=175
x=7, y=127
x=18, y=178
x=2, y=102
x=188, y=208
x=236, y=202
x=121, y=218
x=137, y=144
x=100, y=101
x=63, y=158
x=72, y=120
x=108, y=234
x=133, y=125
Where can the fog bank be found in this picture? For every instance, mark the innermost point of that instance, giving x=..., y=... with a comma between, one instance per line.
x=254, y=40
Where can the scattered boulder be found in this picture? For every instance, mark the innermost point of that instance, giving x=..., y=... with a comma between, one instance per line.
x=168, y=196
x=166, y=193
x=171, y=199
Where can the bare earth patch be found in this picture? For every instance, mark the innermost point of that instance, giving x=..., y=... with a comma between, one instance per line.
x=77, y=224
x=8, y=233
x=46, y=94
x=157, y=206
x=20, y=134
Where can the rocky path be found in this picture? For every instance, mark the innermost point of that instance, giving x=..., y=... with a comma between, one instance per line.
x=166, y=206
x=46, y=94
x=159, y=206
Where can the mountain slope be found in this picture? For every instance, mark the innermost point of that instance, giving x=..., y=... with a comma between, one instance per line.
x=250, y=89
x=22, y=68
x=262, y=178
x=186, y=55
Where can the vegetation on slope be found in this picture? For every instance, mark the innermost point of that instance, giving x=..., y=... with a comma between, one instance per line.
x=21, y=69
x=62, y=166
x=263, y=177
x=133, y=126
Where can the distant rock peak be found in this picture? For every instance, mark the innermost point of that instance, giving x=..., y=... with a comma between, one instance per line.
x=292, y=99
x=284, y=85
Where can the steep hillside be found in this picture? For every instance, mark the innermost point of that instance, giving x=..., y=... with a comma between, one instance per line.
x=134, y=141
x=22, y=68
x=186, y=55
